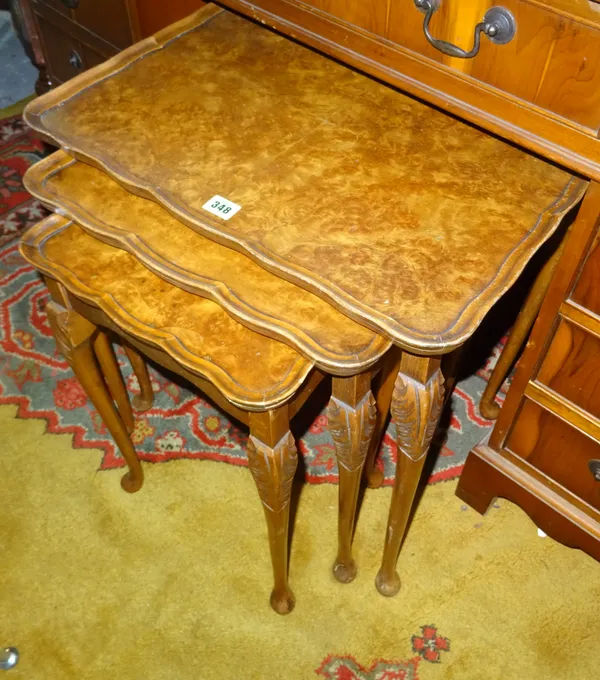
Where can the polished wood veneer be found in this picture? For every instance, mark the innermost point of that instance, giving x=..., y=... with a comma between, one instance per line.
x=193, y=331
x=540, y=90
x=186, y=259
x=348, y=188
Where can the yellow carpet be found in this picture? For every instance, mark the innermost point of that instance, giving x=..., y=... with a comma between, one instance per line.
x=173, y=582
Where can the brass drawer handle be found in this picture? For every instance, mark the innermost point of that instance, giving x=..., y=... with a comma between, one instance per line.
x=498, y=24
x=594, y=466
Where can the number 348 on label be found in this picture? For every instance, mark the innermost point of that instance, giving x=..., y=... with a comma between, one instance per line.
x=221, y=207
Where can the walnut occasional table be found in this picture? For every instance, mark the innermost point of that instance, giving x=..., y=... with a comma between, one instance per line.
x=396, y=215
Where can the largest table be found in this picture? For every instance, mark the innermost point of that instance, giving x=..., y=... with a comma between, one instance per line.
x=399, y=216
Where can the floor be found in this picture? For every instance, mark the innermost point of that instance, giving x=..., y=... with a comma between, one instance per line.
x=173, y=582
x=17, y=73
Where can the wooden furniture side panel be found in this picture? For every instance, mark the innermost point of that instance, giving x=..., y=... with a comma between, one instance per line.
x=154, y=15
x=556, y=449
x=109, y=19
x=587, y=289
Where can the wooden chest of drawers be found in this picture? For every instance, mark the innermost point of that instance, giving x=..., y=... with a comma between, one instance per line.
x=78, y=34
x=544, y=452
x=74, y=35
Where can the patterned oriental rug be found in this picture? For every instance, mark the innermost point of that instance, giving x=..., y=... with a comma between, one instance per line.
x=181, y=424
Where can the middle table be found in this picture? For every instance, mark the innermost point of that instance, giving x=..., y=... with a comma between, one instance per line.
x=400, y=217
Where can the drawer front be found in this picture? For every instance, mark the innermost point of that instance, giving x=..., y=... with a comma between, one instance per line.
x=552, y=62
x=558, y=450
x=154, y=15
x=108, y=19
x=63, y=53
x=91, y=57
x=61, y=6
x=571, y=367
x=370, y=16
x=66, y=56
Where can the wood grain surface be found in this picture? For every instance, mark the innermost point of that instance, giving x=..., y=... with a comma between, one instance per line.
x=542, y=439
x=372, y=200
x=497, y=89
x=252, y=295
x=250, y=370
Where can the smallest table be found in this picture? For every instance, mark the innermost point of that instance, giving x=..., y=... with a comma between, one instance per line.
x=260, y=381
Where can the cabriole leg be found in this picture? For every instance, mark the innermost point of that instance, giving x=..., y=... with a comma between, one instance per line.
x=416, y=408
x=273, y=459
x=390, y=366
x=74, y=336
x=351, y=415
x=144, y=400
x=112, y=375
x=488, y=406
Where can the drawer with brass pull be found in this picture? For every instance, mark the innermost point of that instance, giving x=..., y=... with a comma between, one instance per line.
x=536, y=51
x=517, y=46
x=66, y=55
x=64, y=52
x=108, y=19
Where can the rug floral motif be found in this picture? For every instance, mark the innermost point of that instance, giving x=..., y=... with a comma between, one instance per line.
x=181, y=424
x=18, y=150
x=428, y=646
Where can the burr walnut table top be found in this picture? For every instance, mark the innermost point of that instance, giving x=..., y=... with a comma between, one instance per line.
x=404, y=218
x=187, y=259
x=250, y=370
